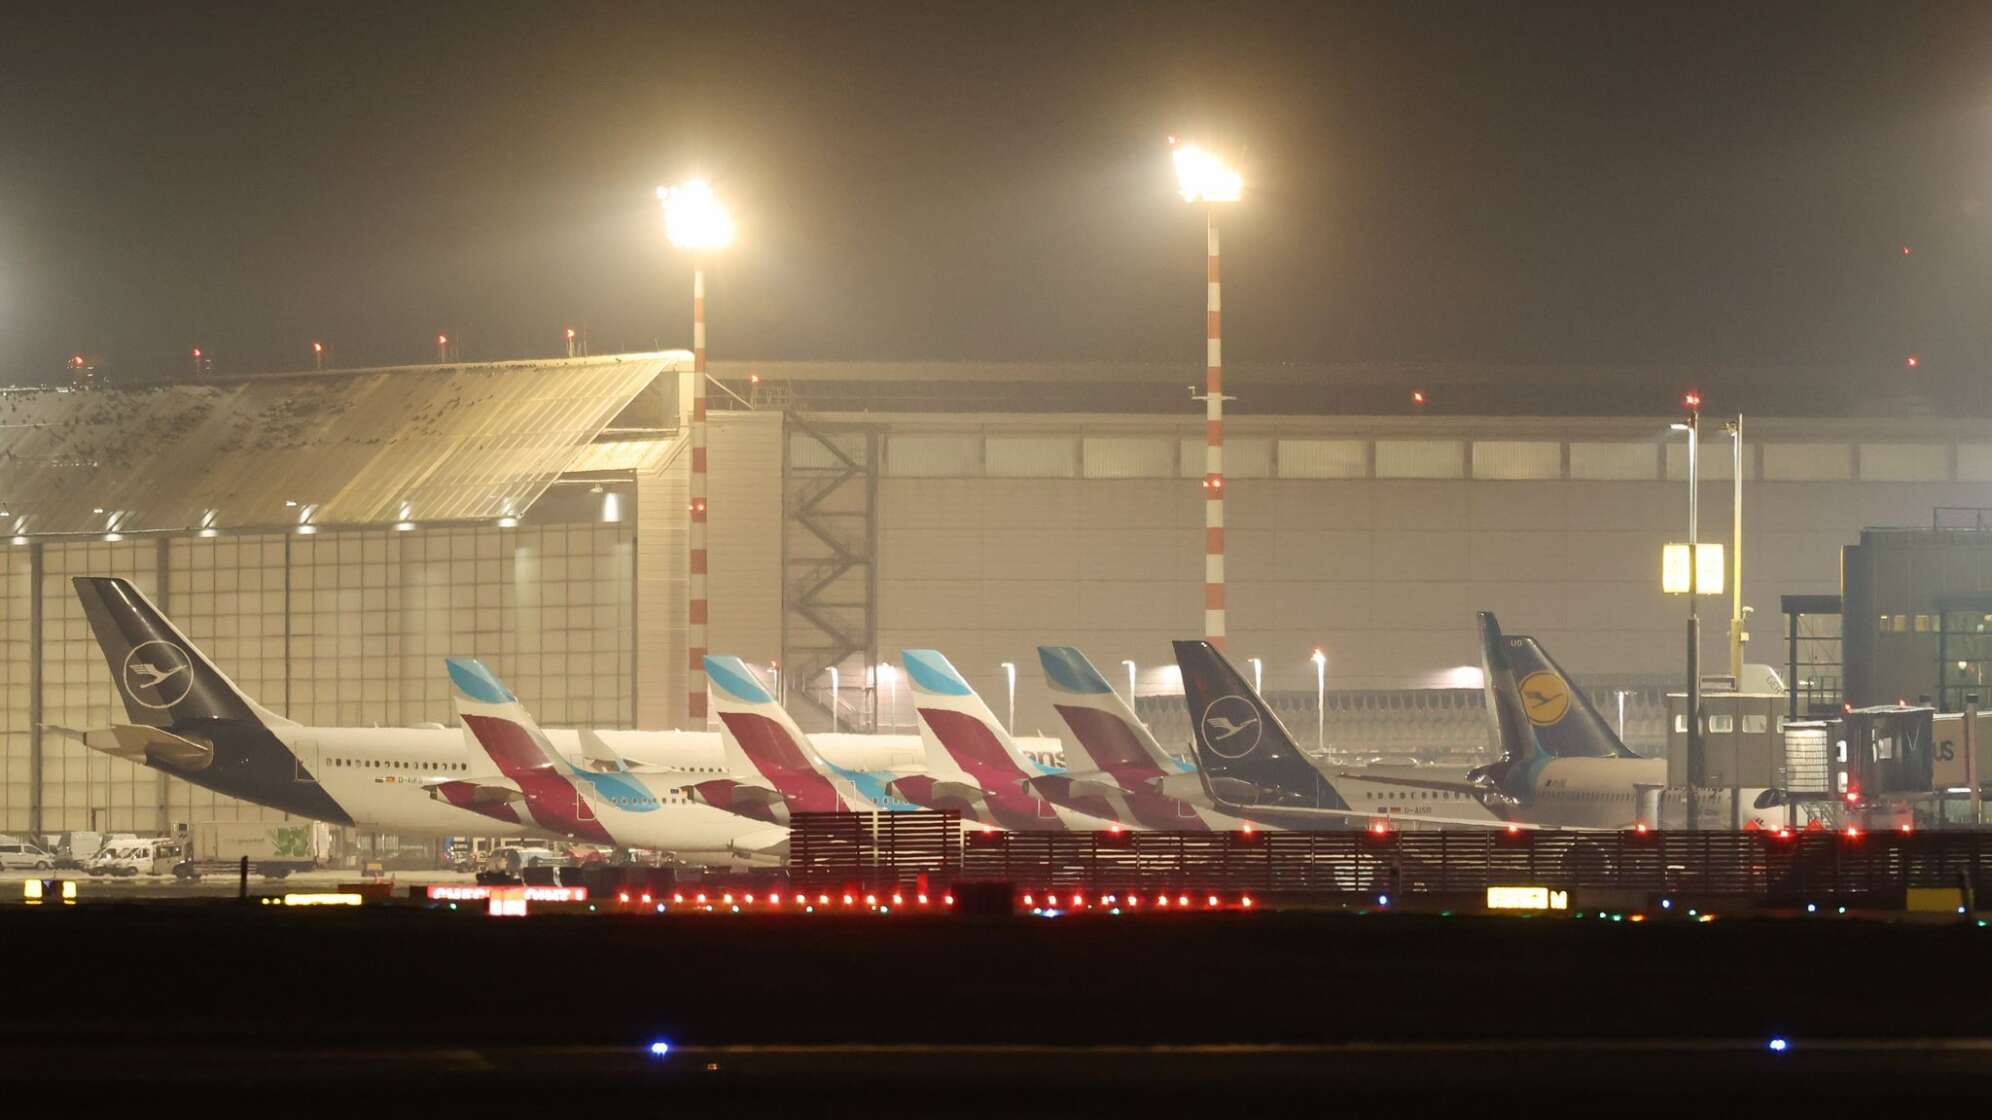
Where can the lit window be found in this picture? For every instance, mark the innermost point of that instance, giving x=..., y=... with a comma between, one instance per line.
x=1722, y=724
x=1680, y=723
x=1923, y=624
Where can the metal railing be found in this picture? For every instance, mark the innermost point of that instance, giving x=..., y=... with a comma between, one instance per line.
x=886, y=848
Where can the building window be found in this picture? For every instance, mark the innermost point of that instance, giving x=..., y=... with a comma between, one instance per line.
x=1923, y=624
x=1756, y=725
x=1721, y=724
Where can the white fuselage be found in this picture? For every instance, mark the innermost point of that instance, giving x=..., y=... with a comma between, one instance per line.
x=377, y=776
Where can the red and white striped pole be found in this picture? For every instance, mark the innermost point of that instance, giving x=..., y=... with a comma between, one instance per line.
x=1213, y=443
x=695, y=572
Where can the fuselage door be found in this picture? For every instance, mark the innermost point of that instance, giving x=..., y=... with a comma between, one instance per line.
x=305, y=757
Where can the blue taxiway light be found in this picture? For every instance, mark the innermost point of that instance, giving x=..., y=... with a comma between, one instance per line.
x=659, y=1048
x=1779, y=1045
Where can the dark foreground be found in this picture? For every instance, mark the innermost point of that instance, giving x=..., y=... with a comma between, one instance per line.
x=1070, y=1016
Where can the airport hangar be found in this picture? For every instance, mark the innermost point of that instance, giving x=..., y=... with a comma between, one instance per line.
x=329, y=537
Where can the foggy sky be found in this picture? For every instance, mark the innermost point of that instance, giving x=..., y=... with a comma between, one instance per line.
x=1562, y=184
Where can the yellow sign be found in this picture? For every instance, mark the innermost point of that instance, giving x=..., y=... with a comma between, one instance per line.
x=1545, y=696
x=1527, y=898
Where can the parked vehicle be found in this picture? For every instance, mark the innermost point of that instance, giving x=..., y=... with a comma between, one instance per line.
x=274, y=849
x=125, y=858
x=19, y=855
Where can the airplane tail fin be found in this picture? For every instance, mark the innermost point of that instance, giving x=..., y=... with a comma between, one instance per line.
x=954, y=717
x=1109, y=733
x=1539, y=711
x=162, y=678
x=1245, y=754
x=496, y=725
x=759, y=735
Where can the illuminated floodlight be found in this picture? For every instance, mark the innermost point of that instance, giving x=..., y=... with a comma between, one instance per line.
x=1708, y=565
x=693, y=218
x=1203, y=177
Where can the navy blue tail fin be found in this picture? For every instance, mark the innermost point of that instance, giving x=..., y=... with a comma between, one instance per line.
x=1245, y=754
x=1539, y=711
x=163, y=679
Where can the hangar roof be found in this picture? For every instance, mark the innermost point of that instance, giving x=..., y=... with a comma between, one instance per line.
x=356, y=447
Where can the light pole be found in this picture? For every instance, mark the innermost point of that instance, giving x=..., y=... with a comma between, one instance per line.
x=775, y=681
x=1258, y=675
x=1320, y=660
x=1736, y=635
x=1130, y=681
x=696, y=222
x=1693, y=402
x=1010, y=674
x=1203, y=177
x=889, y=673
x=833, y=699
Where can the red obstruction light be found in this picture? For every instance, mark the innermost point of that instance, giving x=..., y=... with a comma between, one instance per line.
x=1911, y=362
x=1693, y=400
x=1853, y=833
x=1418, y=397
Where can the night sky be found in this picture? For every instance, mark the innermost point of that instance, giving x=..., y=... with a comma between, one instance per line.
x=1596, y=183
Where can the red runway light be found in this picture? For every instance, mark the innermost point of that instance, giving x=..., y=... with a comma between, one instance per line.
x=1211, y=901
x=848, y=900
x=1133, y=901
x=1853, y=833
x=1183, y=900
x=923, y=900
x=774, y=900
x=699, y=898
x=1078, y=900
x=623, y=897
x=678, y=896
x=898, y=901
x=1246, y=902
x=871, y=900
x=1162, y=900
x=1514, y=830
x=646, y=898
x=947, y=900
x=1030, y=900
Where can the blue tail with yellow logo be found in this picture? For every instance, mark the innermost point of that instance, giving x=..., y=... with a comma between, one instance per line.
x=1540, y=713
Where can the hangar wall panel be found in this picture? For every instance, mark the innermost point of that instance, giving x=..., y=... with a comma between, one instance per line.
x=1383, y=572
x=337, y=628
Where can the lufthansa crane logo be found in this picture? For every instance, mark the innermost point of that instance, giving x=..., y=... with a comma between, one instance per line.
x=157, y=674
x=1545, y=697
x=1231, y=727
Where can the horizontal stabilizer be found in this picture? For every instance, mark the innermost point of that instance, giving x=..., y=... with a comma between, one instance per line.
x=142, y=744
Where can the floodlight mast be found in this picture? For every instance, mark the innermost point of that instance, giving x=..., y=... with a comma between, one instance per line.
x=695, y=222
x=1204, y=178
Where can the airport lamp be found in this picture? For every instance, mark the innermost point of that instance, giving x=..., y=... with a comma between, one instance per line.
x=1130, y=681
x=696, y=223
x=833, y=699
x=1010, y=675
x=1706, y=564
x=1202, y=177
x=889, y=673
x=1320, y=659
x=1688, y=571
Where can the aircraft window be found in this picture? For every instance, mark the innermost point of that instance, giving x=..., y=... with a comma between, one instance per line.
x=1756, y=725
x=1721, y=724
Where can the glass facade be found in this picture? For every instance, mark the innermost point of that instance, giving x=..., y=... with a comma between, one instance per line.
x=345, y=629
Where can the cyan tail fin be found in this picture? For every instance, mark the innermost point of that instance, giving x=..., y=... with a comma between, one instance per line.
x=1115, y=741
x=1539, y=711
x=1246, y=755
x=756, y=733
x=961, y=724
x=163, y=679
x=498, y=725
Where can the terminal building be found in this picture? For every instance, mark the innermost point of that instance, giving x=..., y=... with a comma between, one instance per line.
x=329, y=537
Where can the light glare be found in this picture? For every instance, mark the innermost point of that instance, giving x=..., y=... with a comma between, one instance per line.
x=693, y=218
x=1202, y=177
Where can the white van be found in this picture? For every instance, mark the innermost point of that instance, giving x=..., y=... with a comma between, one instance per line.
x=19, y=855
x=155, y=856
